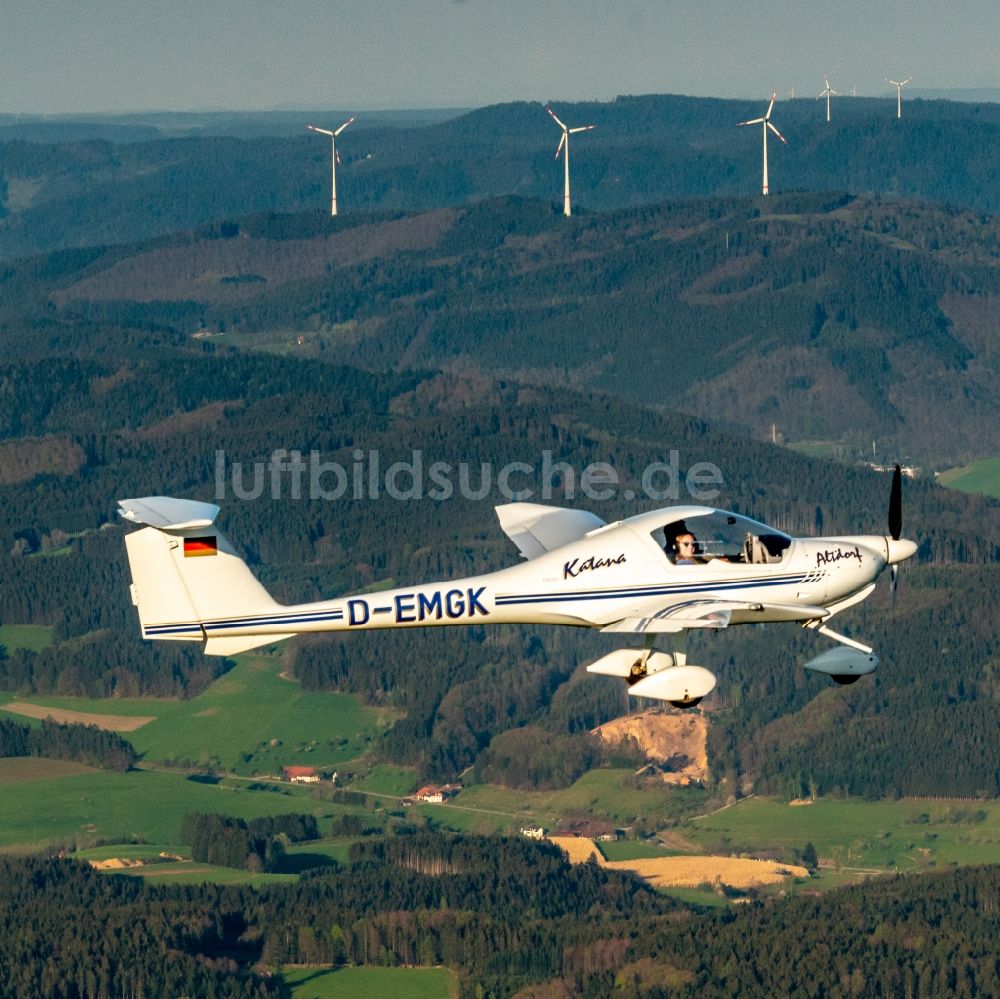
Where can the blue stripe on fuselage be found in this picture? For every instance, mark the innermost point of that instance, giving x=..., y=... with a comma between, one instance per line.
x=510, y=600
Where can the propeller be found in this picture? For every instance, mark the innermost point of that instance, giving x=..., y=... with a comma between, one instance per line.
x=895, y=524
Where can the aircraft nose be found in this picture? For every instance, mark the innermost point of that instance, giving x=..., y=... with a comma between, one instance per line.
x=899, y=550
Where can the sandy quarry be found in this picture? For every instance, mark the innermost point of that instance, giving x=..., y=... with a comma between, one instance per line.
x=666, y=736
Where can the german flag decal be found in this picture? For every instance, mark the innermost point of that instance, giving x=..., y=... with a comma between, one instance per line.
x=200, y=546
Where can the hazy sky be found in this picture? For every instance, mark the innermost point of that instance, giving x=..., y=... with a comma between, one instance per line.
x=123, y=55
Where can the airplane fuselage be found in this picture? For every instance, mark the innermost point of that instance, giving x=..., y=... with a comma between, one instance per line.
x=616, y=572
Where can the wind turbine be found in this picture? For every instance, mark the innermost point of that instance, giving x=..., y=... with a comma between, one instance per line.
x=334, y=159
x=564, y=143
x=899, y=94
x=826, y=92
x=766, y=122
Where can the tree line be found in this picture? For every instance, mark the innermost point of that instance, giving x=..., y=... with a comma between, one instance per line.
x=506, y=914
x=251, y=845
x=53, y=740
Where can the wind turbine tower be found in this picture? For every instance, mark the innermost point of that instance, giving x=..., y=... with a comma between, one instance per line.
x=334, y=159
x=899, y=94
x=826, y=92
x=767, y=124
x=563, y=147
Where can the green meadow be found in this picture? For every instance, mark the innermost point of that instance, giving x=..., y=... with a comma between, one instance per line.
x=383, y=778
x=370, y=983
x=634, y=849
x=607, y=794
x=33, y=637
x=251, y=721
x=858, y=835
x=981, y=476
x=87, y=806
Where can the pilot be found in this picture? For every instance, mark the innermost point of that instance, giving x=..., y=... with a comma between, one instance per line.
x=686, y=546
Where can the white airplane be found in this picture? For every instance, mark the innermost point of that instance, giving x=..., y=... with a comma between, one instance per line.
x=189, y=584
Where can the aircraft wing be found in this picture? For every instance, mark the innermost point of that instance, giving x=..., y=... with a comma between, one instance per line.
x=686, y=614
x=536, y=528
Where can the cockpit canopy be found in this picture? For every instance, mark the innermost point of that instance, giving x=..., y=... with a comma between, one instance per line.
x=721, y=534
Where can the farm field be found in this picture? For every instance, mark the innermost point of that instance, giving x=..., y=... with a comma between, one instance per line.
x=858, y=835
x=157, y=870
x=981, y=476
x=606, y=794
x=63, y=803
x=370, y=983
x=250, y=721
x=680, y=871
x=634, y=849
x=383, y=778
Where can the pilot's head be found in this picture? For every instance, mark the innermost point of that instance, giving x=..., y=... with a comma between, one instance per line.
x=685, y=545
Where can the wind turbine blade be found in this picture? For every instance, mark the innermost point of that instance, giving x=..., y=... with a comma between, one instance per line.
x=821, y=95
x=336, y=156
x=323, y=131
x=893, y=82
x=342, y=127
x=562, y=142
x=582, y=128
x=555, y=119
x=906, y=81
x=752, y=121
x=776, y=132
x=770, y=106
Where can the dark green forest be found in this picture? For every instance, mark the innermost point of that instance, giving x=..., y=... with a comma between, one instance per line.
x=257, y=845
x=506, y=914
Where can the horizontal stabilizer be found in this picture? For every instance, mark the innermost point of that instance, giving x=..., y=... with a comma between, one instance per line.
x=167, y=513
x=537, y=529
x=239, y=643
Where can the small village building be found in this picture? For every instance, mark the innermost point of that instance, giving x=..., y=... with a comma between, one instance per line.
x=301, y=775
x=430, y=793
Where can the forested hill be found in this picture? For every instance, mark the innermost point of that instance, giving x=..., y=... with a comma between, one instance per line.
x=510, y=916
x=644, y=149
x=89, y=432
x=813, y=317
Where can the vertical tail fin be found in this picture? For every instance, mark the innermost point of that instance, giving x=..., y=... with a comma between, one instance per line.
x=186, y=577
